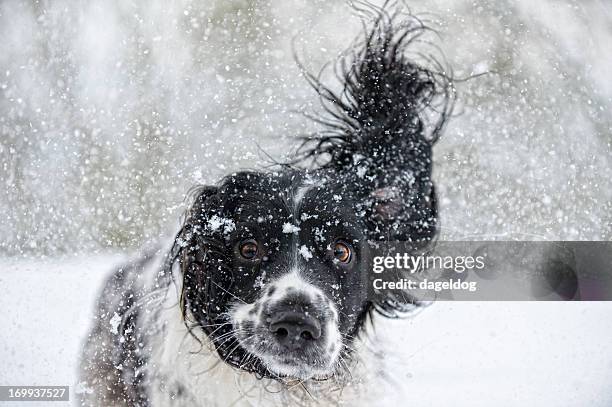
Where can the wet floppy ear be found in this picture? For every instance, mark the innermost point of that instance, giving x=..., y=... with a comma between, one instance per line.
x=382, y=126
x=184, y=247
x=199, y=254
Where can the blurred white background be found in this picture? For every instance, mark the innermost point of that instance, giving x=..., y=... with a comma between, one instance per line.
x=111, y=110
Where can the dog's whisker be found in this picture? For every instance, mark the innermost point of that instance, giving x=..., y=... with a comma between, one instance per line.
x=233, y=295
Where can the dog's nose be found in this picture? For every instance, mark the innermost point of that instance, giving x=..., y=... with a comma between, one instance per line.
x=295, y=330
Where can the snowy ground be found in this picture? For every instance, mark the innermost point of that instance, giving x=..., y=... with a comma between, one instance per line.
x=46, y=308
x=462, y=354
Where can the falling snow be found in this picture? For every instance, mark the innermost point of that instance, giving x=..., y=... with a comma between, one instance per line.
x=110, y=113
x=305, y=252
x=290, y=228
x=216, y=222
x=114, y=323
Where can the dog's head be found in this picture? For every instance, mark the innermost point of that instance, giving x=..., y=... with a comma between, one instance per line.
x=275, y=265
x=282, y=268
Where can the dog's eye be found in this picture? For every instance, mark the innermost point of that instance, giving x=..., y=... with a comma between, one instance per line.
x=342, y=252
x=248, y=249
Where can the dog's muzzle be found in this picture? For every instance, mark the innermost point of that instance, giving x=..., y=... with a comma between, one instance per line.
x=292, y=328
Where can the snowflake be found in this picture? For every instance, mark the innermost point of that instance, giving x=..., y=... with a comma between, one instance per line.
x=114, y=323
x=290, y=228
x=305, y=252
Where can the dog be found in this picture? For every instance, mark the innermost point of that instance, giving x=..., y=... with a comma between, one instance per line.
x=261, y=297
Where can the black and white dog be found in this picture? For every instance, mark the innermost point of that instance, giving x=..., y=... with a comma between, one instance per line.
x=261, y=297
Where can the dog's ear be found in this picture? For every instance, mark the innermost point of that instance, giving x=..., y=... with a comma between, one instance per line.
x=199, y=251
x=383, y=124
x=392, y=102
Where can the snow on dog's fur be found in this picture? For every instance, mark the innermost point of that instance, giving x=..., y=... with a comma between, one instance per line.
x=262, y=296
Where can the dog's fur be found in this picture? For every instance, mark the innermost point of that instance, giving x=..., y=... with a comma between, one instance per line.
x=261, y=296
